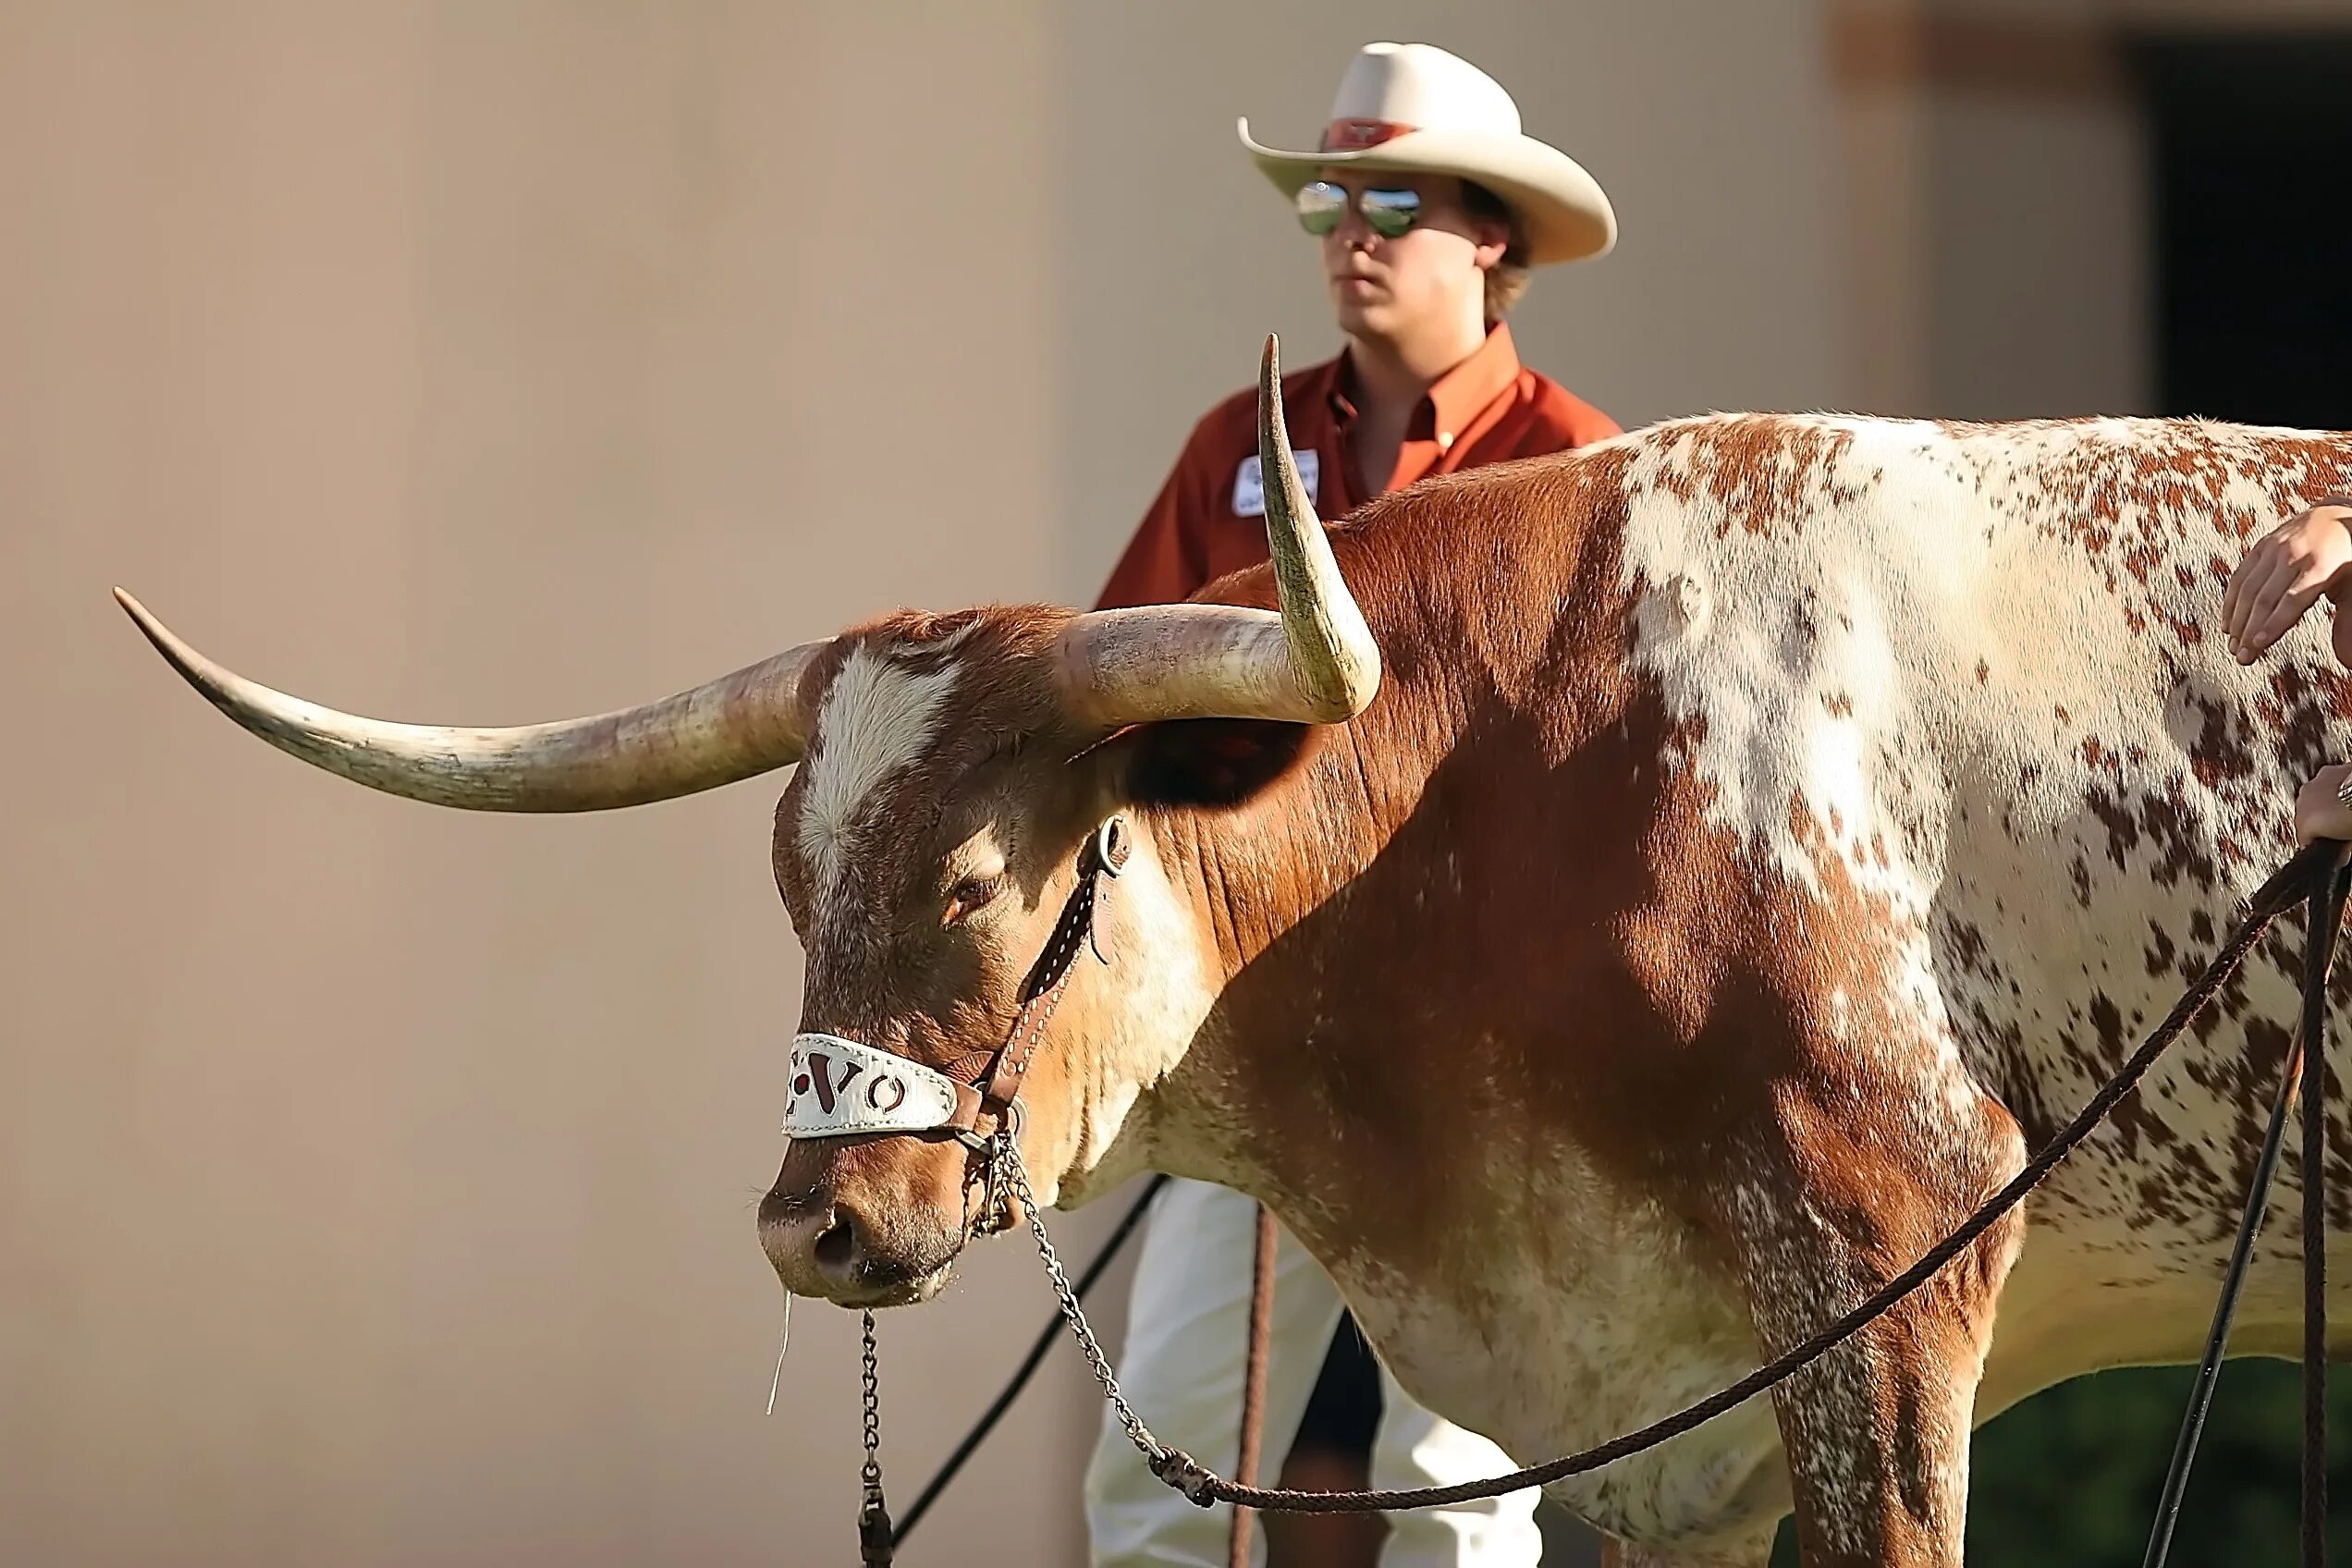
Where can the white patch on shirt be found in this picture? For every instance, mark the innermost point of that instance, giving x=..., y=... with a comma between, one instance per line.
x=1249, y=481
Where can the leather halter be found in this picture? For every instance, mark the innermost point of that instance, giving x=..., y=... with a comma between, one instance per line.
x=975, y=1098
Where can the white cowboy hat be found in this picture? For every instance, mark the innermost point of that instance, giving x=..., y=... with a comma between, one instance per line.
x=1415, y=106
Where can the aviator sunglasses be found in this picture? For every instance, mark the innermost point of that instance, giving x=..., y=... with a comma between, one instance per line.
x=1385, y=212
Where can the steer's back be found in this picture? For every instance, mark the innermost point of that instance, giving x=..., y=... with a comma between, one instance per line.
x=1976, y=674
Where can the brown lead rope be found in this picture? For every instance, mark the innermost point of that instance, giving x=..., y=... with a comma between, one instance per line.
x=1261, y=1334
x=2308, y=876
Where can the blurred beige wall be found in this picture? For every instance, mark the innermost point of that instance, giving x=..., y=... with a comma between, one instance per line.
x=376, y=1183
x=379, y=1181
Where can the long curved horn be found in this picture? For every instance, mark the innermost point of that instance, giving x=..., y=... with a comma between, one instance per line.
x=1314, y=662
x=728, y=728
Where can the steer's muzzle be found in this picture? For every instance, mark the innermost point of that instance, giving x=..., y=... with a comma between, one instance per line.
x=878, y=1226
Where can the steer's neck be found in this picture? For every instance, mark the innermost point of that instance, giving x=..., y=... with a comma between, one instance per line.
x=1314, y=941
x=1409, y=998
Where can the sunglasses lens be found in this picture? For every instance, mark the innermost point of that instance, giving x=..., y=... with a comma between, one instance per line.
x=1390, y=213
x=1319, y=207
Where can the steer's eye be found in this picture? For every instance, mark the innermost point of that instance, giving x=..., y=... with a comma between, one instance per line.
x=970, y=895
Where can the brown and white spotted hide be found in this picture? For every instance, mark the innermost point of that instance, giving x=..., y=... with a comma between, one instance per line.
x=1769, y=830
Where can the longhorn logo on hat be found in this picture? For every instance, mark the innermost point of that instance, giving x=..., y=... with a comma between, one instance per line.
x=1341, y=135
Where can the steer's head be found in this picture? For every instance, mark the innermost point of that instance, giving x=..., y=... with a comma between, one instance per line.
x=953, y=772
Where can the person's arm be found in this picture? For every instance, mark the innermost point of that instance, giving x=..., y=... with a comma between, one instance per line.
x=2283, y=574
x=2321, y=810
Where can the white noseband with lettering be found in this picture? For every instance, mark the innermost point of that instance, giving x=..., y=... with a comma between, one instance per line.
x=840, y=1087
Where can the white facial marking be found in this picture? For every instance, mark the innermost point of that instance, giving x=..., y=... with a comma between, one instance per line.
x=877, y=718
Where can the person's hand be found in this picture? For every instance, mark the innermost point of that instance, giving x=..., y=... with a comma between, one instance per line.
x=2318, y=813
x=2284, y=575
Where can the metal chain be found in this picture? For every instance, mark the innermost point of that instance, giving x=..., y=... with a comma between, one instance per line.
x=1017, y=1174
x=877, y=1542
x=871, y=1375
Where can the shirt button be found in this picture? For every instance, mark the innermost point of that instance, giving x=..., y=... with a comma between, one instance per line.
x=1445, y=440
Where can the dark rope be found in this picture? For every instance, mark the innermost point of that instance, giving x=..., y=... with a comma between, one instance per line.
x=2209, y=1368
x=2299, y=879
x=1261, y=1335
x=1020, y=1379
x=2306, y=1069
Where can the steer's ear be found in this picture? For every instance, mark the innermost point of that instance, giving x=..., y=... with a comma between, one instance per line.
x=1210, y=761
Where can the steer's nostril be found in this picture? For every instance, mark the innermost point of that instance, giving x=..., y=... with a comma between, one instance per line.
x=836, y=1248
x=824, y=1247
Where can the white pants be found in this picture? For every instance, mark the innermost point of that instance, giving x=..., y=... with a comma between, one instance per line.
x=1187, y=1347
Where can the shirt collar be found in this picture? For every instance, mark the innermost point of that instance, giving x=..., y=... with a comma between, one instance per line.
x=1463, y=392
x=1457, y=397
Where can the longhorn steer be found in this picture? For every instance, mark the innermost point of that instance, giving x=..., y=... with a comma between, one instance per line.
x=1765, y=830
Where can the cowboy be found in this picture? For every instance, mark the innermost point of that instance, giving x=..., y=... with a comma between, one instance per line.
x=2287, y=571
x=1430, y=208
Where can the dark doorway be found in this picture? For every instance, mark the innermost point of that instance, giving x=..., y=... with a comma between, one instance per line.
x=2250, y=166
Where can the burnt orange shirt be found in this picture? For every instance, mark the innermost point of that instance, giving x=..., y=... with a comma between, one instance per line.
x=1209, y=518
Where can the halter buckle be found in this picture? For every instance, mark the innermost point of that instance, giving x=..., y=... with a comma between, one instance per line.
x=1110, y=846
